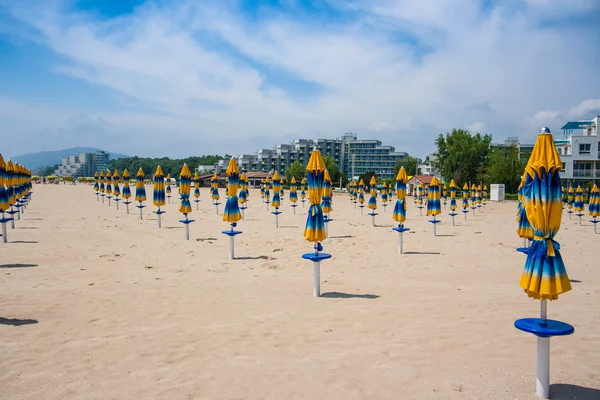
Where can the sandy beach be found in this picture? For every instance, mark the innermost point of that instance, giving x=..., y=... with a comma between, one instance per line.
x=96, y=304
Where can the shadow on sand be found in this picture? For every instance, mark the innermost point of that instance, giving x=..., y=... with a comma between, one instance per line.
x=561, y=391
x=17, y=322
x=421, y=252
x=339, y=295
x=17, y=265
x=24, y=241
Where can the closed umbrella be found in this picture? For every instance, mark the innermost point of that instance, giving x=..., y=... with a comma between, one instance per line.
x=579, y=203
x=473, y=198
x=293, y=194
x=276, y=202
x=594, y=206
x=116, y=189
x=232, y=210
x=453, y=200
x=102, y=188
x=384, y=196
x=126, y=190
x=373, y=199
x=96, y=186
x=570, y=202
x=420, y=198
x=433, y=202
x=196, y=189
x=444, y=196
x=108, y=188
x=544, y=276
x=267, y=192
x=158, y=197
x=262, y=189
x=185, y=207
x=214, y=191
x=479, y=198
x=4, y=204
x=243, y=197
x=281, y=191
x=485, y=194
x=168, y=188
x=314, y=231
x=399, y=214
x=140, y=190
x=361, y=196
x=525, y=231
x=465, y=200
x=303, y=191
x=326, y=201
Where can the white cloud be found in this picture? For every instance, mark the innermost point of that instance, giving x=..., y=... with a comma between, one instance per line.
x=492, y=67
x=585, y=108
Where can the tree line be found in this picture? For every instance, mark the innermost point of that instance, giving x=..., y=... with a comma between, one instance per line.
x=168, y=165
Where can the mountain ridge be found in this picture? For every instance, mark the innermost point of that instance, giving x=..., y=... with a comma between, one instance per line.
x=39, y=160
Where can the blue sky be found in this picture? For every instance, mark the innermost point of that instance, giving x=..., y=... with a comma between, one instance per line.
x=186, y=77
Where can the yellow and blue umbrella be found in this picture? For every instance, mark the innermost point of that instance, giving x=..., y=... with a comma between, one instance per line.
x=196, y=189
x=168, y=188
x=4, y=205
x=158, y=197
x=453, y=200
x=303, y=191
x=570, y=201
x=232, y=212
x=293, y=194
x=243, y=197
x=96, y=185
x=102, y=187
x=262, y=189
x=444, y=195
x=326, y=201
x=373, y=199
x=399, y=214
x=116, y=190
x=108, y=188
x=433, y=202
x=473, y=198
x=276, y=202
x=281, y=191
x=579, y=203
x=525, y=231
x=185, y=207
x=214, y=191
x=594, y=206
x=384, y=196
x=465, y=200
x=485, y=195
x=314, y=231
x=126, y=190
x=361, y=196
x=140, y=190
x=420, y=198
x=478, y=197
x=544, y=276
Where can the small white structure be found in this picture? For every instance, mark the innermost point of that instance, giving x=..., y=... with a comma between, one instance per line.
x=497, y=192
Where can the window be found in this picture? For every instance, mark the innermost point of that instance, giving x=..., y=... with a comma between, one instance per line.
x=585, y=148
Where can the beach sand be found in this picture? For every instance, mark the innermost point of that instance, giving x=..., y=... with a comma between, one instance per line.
x=110, y=307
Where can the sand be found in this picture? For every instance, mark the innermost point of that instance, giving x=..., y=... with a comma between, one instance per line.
x=96, y=304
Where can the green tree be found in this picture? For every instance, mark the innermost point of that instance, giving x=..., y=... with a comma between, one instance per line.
x=168, y=165
x=46, y=171
x=366, y=177
x=409, y=163
x=461, y=155
x=332, y=167
x=296, y=170
x=505, y=167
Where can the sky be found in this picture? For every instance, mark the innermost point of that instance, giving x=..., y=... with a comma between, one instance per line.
x=180, y=78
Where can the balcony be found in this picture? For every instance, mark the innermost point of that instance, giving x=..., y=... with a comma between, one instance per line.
x=580, y=173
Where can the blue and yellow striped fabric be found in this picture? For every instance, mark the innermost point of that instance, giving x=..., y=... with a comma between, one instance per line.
x=578, y=199
x=196, y=185
x=108, y=187
x=570, y=198
x=452, y=195
x=232, y=208
x=276, y=186
x=126, y=189
x=473, y=195
x=445, y=194
x=594, y=203
x=361, y=192
x=168, y=184
x=478, y=195
x=544, y=275
x=485, y=194
x=102, y=188
x=3, y=186
x=433, y=198
x=293, y=191
x=262, y=188
x=140, y=189
x=158, y=198
x=214, y=187
x=315, y=225
x=399, y=214
x=465, y=196
x=281, y=191
x=267, y=189
x=327, y=193
x=373, y=192
x=116, y=191
x=420, y=193
x=243, y=196
x=185, y=187
x=303, y=188
x=384, y=194
x=524, y=229
x=96, y=183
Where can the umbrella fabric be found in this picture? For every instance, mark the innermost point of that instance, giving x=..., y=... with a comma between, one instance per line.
x=9, y=180
x=262, y=188
x=243, y=197
x=116, y=190
x=433, y=198
x=102, y=188
x=473, y=195
x=524, y=230
x=384, y=194
x=445, y=193
x=361, y=192
x=293, y=191
x=96, y=183
x=3, y=186
x=594, y=203
x=478, y=194
x=126, y=189
x=185, y=186
x=303, y=189
x=544, y=275
x=232, y=209
x=214, y=187
x=399, y=214
x=578, y=199
x=196, y=185
x=267, y=188
x=373, y=192
x=570, y=198
x=276, y=201
x=315, y=225
x=108, y=188
x=485, y=194
x=327, y=193
x=168, y=182
x=465, y=196
x=140, y=189
x=420, y=193
x=452, y=195
x=158, y=197
x=281, y=191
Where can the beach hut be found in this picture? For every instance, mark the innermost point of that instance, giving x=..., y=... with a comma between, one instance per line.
x=158, y=197
x=594, y=206
x=314, y=231
x=140, y=190
x=544, y=276
x=399, y=214
x=232, y=213
x=185, y=207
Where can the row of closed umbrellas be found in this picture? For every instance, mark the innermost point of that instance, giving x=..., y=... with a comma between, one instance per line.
x=15, y=193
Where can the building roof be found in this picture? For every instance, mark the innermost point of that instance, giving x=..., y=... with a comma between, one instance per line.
x=258, y=175
x=425, y=179
x=577, y=125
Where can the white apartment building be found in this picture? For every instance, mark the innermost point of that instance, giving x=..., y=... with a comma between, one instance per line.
x=579, y=150
x=84, y=164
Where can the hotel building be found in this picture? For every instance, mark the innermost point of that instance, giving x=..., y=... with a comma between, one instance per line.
x=85, y=164
x=579, y=149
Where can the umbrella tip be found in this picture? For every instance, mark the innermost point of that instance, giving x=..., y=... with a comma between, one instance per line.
x=545, y=130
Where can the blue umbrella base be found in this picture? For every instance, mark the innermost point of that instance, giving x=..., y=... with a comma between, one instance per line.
x=276, y=212
x=186, y=221
x=326, y=220
x=127, y=202
x=160, y=212
x=373, y=214
x=453, y=214
x=5, y=220
x=465, y=211
x=216, y=204
x=400, y=229
x=435, y=221
x=318, y=257
x=548, y=329
x=293, y=205
x=593, y=221
x=231, y=233
x=140, y=206
x=524, y=250
x=11, y=212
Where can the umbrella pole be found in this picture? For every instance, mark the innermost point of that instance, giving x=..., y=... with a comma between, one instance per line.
x=295, y=212
x=141, y=211
x=97, y=198
x=465, y=216
x=117, y=200
x=594, y=225
x=102, y=199
x=158, y=213
x=109, y=201
x=4, y=236
x=127, y=206
x=434, y=224
x=420, y=211
x=400, y=242
x=373, y=218
x=543, y=358
x=12, y=221
x=231, y=246
x=453, y=220
x=276, y=217
x=187, y=228
x=579, y=219
x=316, y=279
x=243, y=216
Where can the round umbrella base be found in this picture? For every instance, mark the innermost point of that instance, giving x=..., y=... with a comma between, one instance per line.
x=544, y=329
x=187, y=227
x=524, y=250
x=316, y=258
x=231, y=233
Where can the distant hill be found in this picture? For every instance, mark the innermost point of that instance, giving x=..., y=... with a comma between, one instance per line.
x=36, y=161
